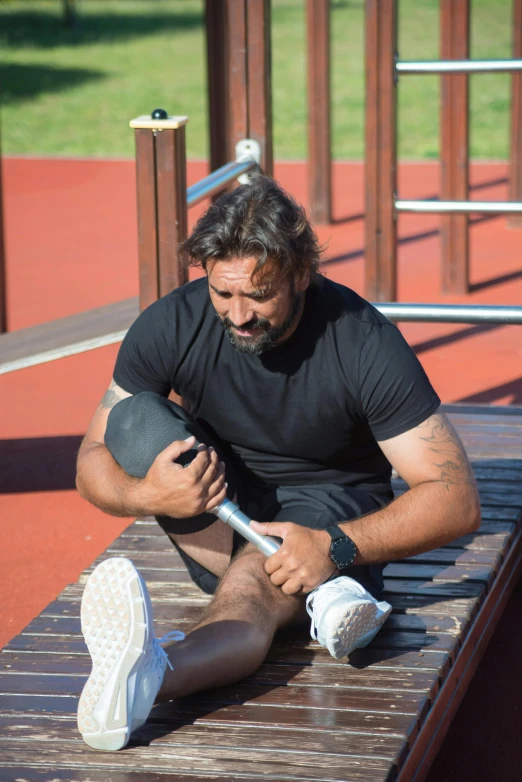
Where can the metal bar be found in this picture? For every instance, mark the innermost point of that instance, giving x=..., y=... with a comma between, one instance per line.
x=515, y=174
x=171, y=193
x=454, y=146
x=459, y=207
x=319, y=131
x=459, y=66
x=217, y=180
x=450, y=313
x=381, y=151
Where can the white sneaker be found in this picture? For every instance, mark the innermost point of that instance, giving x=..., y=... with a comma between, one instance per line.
x=128, y=663
x=344, y=615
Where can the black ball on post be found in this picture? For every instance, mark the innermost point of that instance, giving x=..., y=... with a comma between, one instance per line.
x=159, y=114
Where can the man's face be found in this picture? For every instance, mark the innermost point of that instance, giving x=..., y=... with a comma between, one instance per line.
x=255, y=316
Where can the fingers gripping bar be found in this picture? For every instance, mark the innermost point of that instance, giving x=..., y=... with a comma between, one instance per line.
x=141, y=426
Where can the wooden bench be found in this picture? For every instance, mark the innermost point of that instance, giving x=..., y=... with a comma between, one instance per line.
x=303, y=715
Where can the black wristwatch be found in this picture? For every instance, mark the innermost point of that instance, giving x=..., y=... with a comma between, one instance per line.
x=342, y=550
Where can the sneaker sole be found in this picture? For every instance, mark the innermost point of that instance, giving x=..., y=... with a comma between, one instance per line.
x=356, y=627
x=114, y=625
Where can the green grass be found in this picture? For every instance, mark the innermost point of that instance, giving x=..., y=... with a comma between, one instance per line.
x=72, y=91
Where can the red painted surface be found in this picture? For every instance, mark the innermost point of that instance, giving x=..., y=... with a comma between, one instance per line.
x=71, y=246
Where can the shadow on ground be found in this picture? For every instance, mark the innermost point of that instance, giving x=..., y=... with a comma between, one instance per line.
x=22, y=82
x=39, y=29
x=491, y=395
x=38, y=464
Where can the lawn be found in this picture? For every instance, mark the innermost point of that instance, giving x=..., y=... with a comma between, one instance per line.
x=72, y=91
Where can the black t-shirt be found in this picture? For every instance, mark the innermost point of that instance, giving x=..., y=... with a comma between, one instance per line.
x=309, y=411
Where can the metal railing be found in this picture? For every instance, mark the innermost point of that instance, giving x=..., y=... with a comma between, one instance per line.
x=383, y=204
x=218, y=180
x=459, y=207
x=451, y=313
x=459, y=66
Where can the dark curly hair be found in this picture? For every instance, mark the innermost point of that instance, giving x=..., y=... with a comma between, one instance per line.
x=258, y=220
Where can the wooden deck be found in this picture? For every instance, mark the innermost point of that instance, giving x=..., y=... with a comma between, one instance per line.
x=302, y=715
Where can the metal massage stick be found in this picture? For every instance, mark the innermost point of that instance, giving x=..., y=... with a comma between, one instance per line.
x=141, y=426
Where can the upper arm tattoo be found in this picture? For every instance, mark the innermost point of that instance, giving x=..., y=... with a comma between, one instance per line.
x=449, y=454
x=111, y=397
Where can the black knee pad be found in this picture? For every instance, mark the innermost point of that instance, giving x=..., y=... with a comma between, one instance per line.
x=141, y=426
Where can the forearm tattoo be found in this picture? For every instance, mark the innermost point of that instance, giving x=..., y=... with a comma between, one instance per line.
x=111, y=397
x=451, y=458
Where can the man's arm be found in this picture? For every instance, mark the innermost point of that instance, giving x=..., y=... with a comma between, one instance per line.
x=442, y=504
x=167, y=489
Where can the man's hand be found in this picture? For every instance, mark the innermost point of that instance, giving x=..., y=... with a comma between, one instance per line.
x=169, y=489
x=302, y=562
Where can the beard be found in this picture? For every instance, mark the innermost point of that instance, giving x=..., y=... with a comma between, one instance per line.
x=269, y=335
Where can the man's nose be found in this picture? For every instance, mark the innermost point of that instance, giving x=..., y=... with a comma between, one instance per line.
x=240, y=311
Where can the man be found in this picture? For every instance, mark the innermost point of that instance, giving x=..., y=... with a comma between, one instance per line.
x=305, y=396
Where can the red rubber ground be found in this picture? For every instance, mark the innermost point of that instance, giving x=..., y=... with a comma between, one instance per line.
x=71, y=246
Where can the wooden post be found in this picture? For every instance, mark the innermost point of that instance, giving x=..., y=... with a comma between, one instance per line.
x=515, y=176
x=454, y=130
x=217, y=82
x=3, y=274
x=162, y=204
x=381, y=151
x=319, y=143
x=239, y=78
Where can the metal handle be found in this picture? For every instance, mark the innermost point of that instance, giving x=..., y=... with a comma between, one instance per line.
x=230, y=513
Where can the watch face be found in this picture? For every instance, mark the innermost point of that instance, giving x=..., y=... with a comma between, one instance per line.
x=343, y=552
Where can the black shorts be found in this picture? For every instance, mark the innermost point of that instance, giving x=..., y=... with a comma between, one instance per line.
x=315, y=506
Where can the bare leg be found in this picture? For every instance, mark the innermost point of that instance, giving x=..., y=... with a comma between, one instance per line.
x=235, y=633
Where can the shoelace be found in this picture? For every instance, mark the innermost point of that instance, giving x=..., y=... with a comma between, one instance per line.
x=173, y=635
x=316, y=600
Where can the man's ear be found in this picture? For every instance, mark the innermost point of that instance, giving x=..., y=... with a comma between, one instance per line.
x=302, y=283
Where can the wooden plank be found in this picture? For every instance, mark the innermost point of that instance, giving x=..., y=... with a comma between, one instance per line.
x=171, y=194
x=440, y=573
x=146, y=195
x=214, y=763
x=482, y=410
x=381, y=151
x=515, y=163
x=243, y=738
x=439, y=719
x=208, y=712
x=237, y=71
x=335, y=698
x=319, y=132
x=454, y=146
x=338, y=676
x=67, y=336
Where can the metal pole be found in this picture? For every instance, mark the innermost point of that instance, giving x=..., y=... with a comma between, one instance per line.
x=450, y=313
x=460, y=66
x=454, y=146
x=319, y=144
x=381, y=151
x=515, y=174
x=217, y=180
x=459, y=207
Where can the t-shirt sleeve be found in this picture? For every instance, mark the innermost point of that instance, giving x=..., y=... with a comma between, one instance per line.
x=142, y=362
x=395, y=392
